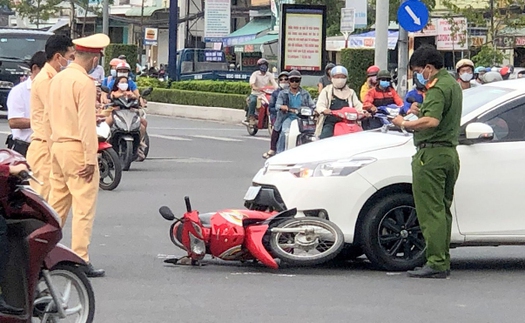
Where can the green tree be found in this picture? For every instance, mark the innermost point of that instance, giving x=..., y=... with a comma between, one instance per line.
x=500, y=17
x=37, y=10
x=333, y=8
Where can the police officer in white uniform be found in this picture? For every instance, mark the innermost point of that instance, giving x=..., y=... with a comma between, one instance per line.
x=18, y=109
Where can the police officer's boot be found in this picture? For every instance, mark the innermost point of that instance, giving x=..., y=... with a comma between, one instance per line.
x=8, y=309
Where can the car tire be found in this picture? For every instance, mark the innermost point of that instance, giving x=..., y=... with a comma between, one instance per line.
x=349, y=252
x=390, y=230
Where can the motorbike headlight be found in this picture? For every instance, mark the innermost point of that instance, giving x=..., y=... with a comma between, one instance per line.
x=197, y=245
x=342, y=167
x=136, y=122
x=351, y=116
x=306, y=111
x=119, y=122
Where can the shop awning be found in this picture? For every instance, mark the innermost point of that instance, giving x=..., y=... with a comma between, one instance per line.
x=254, y=45
x=137, y=12
x=248, y=32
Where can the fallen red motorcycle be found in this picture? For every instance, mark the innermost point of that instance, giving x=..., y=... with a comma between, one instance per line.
x=243, y=235
x=262, y=113
x=348, y=121
x=44, y=278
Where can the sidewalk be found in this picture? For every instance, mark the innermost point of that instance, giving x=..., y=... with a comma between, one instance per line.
x=197, y=112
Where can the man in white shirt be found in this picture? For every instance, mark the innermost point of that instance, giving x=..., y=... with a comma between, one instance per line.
x=98, y=73
x=18, y=109
x=258, y=80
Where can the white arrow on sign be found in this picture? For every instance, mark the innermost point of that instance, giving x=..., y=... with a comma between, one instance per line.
x=416, y=19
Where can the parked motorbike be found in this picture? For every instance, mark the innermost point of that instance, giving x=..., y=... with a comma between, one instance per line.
x=43, y=276
x=242, y=235
x=108, y=160
x=125, y=135
x=262, y=113
x=348, y=121
x=302, y=129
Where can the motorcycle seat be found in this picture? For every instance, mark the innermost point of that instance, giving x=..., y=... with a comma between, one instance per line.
x=206, y=219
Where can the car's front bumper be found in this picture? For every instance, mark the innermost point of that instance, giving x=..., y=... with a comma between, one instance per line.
x=339, y=198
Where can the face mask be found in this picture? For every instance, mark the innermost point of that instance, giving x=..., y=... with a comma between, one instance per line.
x=384, y=84
x=339, y=83
x=119, y=74
x=465, y=77
x=421, y=78
x=123, y=86
x=62, y=67
x=284, y=85
x=113, y=73
x=263, y=68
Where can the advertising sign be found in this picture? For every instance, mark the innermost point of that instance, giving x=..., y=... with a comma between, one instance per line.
x=347, y=20
x=216, y=20
x=452, y=36
x=361, y=8
x=302, y=37
x=151, y=36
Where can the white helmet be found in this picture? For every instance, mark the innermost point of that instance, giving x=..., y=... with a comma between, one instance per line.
x=123, y=66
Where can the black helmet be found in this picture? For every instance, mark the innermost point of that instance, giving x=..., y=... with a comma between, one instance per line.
x=283, y=73
x=262, y=61
x=384, y=74
x=294, y=74
x=329, y=66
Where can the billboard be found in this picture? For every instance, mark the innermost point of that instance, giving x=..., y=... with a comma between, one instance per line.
x=217, y=22
x=302, y=35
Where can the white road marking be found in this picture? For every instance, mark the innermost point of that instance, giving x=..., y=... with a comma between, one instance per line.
x=259, y=138
x=215, y=138
x=196, y=129
x=169, y=137
x=187, y=160
x=5, y=132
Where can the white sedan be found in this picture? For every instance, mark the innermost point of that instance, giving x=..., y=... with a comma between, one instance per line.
x=362, y=182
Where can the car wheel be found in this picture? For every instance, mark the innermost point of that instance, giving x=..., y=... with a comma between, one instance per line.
x=392, y=238
x=349, y=252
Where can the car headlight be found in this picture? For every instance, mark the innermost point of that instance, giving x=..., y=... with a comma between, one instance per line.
x=342, y=167
x=6, y=85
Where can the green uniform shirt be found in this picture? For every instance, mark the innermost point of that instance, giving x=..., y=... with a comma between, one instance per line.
x=443, y=101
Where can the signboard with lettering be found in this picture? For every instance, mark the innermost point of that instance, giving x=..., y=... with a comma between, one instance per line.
x=303, y=31
x=452, y=36
x=519, y=41
x=217, y=20
x=504, y=42
x=477, y=41
x=429, y=30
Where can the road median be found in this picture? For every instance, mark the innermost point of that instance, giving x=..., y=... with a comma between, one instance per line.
x=196, y=112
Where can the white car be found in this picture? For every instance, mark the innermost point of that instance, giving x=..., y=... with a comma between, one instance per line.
x=362, y=182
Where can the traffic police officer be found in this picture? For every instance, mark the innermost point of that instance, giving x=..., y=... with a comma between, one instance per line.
x=435, y=166
x=75, y=175
x=59, y=51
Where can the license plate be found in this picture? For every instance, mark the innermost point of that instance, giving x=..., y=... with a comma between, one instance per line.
x=252, y=192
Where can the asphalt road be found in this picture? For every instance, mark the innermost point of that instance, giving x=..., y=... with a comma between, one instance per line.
x=213, y=163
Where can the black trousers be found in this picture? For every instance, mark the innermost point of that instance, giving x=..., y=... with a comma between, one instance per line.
x=4, y=249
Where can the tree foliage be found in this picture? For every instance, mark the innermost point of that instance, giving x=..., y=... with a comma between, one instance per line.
x=37, y=10
x=488, y=56
x=333, y=8
x=356, y=61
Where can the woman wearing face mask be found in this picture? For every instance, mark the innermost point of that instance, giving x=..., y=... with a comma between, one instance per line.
x=465, y=70
x=334, y=97
x=381, y=95
x=121, y=88
x=277, y=117
x=113, y=72
x=371, y=81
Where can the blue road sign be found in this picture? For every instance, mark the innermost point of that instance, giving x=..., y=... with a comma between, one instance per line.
x=412, y=15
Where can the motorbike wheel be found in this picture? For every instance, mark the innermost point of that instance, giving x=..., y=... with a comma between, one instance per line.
x=252, y=130
x=146, y=141
x=125, y=153
x=319, y=241
x=75, y=292
x=110, y=168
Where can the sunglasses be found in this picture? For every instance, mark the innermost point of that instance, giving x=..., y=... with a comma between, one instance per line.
x=295, y=80
x=283, y=80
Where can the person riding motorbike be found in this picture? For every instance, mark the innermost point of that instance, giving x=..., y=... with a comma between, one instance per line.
x=325, y=80
x=490, y=77
x=381, y=95
x=465, y=70
x=276, y=116
x=417, y=94
x=478, y=72
x=371, y=81
x=5, y=172
x=258, y=80
x=289, y=100
x=334, y=97
x=112, y=72
x=506, y=71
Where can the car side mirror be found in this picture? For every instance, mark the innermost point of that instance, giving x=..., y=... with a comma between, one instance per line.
x=478, y=132
x=105, y=89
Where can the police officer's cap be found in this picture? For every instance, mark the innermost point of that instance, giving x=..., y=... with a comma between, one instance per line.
x=92, y=44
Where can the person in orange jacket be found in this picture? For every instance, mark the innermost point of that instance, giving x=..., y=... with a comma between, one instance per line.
x=371, y=81
x=382, y=94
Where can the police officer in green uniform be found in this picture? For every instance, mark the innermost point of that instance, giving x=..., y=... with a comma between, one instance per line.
x=435, y=166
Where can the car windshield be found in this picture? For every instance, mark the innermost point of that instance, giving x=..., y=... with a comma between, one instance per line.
x=476, y=97
x=20, y=46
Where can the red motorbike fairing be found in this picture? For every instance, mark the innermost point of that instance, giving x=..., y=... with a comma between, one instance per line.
x=254, y=243
x=61, y=254
x=103, y=145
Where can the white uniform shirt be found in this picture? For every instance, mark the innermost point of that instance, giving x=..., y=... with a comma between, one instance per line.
x=98, y=73
x=18, y=107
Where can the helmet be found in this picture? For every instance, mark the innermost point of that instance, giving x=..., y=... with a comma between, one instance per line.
x=372, y=70
x=490, y=77
x=511, y=68
x=123, y=66
x=294, y=74
x=384, y=74
x=115, y=62
x=464, y=62
x=262, y=61
x=504, y=71
x=338, y=69
x=329, y=66
x=479, y=69
x=283, y=73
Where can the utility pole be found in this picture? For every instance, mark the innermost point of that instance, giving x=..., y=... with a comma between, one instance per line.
x=141, y=45
x=105, y=22
x=402, y=62
x=381, y=43
x=172, y=44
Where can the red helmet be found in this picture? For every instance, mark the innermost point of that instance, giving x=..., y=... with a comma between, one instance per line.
x=372, y=70
x=504, y=71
